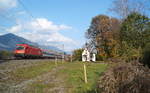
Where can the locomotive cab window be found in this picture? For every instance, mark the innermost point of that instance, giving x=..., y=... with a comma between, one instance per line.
x=20, y=48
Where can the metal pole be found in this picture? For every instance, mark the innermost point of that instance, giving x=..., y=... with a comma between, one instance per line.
x=56, y=61
x=71, y=57
x=63, y=53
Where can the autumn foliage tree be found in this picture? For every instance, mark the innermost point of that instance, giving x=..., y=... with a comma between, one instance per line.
x=102, y=31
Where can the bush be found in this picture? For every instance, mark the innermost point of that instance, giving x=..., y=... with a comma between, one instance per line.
x=5, y=54
x=129, y=53
x=146, y=55
x=77, y=55
x=125, y=78
x=100, y=57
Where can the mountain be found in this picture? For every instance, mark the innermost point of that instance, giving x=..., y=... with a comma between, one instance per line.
x=9, y=41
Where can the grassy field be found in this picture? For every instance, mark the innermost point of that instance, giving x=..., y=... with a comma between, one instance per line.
x=30, y=72
x=46, y=77
x=74, y=76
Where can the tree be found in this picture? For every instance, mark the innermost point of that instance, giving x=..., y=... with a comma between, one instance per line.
x=102, y=32
x=134, y=30
x=77, y=55
x=124, y=7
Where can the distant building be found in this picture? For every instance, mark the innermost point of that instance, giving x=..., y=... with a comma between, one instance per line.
x=88, y=55
x=93, y=57
x=85, y=55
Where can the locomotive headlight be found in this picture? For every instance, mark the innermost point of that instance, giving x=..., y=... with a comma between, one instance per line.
x=20, y=51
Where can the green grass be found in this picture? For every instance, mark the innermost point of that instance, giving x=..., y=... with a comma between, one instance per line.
x=32, y=71
x=38, y=87
x=73, y=73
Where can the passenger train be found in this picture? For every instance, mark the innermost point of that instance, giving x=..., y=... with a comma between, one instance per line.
x=30, y=51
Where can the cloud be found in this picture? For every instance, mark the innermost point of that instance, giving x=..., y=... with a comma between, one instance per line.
x=57, y=37
x=43, y=31
x=40, y=25
x=7, y=4
x=15, y=29
x=45, y=25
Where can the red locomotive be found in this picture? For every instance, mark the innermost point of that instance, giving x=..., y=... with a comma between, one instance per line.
x=27, y=51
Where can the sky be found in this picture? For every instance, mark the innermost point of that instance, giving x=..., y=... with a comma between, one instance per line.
x=51, y=22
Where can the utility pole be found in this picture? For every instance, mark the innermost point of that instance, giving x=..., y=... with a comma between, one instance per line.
x=71, y=57
x=63, y=55
x=56, y=61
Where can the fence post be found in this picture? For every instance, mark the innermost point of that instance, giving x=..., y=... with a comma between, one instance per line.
x=85, y=73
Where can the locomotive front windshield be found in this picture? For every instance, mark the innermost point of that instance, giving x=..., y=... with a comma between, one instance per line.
x=20, y=48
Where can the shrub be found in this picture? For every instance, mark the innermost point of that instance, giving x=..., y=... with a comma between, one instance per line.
x=146, y=55
x=125, y=78
x=5, y=54
x=100, y=57
x=129, y=53
x=77, y=55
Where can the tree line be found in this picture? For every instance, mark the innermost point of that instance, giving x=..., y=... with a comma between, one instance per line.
x=5, y=54
x=127, y=35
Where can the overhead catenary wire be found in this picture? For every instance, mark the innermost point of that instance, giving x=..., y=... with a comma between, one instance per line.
x=30, y=14
x=8, y=19
x=27, y=11
x=3, y=28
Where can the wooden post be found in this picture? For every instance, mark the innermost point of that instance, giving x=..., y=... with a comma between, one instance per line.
x=85, y=73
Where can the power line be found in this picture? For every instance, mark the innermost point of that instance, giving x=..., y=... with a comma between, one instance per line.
x=8, y=18
x=30, y=14
x=26, y=9
x=3, y=28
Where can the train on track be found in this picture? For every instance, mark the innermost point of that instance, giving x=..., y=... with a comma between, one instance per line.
x=30, y=51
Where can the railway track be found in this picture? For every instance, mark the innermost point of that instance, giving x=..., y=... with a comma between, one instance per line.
x=25, y=60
